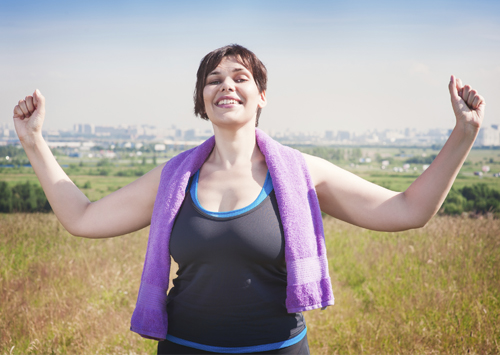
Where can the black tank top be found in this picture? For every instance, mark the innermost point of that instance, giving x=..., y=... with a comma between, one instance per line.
x=230, y=288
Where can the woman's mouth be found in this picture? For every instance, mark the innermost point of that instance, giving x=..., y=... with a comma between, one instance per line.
x=227, y=102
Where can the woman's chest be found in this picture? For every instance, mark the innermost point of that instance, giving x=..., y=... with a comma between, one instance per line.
x=221, y=191
x=255, y=236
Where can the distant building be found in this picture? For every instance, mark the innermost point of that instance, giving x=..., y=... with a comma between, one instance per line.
x=84, y=128
x=488, y=137
x=392, y=135
x=410, y=132
x=438, y=132
x=197, y=134
x=372, y=138
x=343, y=135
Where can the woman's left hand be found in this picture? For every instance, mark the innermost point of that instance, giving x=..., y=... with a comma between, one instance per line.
x=468, y=105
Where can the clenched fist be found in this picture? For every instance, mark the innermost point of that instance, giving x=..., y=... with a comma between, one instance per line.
x=467, y=104
x=28, y=117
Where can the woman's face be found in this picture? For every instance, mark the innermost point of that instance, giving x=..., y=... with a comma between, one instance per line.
x=231, y=95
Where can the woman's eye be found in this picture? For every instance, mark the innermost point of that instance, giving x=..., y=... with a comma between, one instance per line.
x=240, y=80
x=214, y=82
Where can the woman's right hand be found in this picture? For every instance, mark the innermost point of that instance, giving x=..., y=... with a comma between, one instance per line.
x=28, y=117
x=123, y=211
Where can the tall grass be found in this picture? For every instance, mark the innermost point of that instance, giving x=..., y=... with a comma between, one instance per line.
x=65, y=295
x=433, y=290
x=428, y=291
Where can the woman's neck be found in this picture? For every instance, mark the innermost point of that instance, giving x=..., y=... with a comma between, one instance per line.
x=235, y=147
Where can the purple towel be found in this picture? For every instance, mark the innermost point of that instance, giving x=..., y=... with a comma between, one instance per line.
x=308, y=281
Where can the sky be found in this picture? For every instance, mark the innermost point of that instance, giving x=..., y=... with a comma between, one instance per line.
x=333, y=65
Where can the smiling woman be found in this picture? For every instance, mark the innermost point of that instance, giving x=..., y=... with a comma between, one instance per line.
x=249, y=64
x=231, y=93
x=241, y=215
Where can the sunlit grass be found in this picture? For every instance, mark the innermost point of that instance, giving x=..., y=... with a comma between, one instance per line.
x=67, y=295
x=432, y=290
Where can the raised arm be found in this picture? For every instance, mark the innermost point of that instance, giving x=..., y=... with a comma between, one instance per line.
x=357, y=201
x=125, y=210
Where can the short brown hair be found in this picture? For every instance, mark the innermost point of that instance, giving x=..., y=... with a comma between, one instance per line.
x=244, y=56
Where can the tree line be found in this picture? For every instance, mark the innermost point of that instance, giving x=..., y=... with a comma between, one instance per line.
x=22, y=197
x=477, y=198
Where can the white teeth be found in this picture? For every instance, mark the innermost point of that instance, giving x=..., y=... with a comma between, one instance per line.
x=228, y=102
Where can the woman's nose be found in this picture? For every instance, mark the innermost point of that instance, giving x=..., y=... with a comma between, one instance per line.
x=227, y=85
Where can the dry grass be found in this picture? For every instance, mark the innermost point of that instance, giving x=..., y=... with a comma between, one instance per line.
x=433, y=290
x=429, y=291
x=66, y=295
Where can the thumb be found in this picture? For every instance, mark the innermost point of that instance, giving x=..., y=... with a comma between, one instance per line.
x=38, y=99
x=452, y=86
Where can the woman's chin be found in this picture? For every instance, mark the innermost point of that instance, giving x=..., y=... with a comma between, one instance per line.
x=229, y=120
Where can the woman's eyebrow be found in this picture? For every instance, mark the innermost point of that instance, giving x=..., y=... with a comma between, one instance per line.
x=216, y=72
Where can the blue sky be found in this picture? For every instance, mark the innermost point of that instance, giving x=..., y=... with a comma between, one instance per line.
x=332, y=65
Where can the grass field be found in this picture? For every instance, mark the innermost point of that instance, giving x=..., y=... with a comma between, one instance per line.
x=97, y=181
x=427, y=291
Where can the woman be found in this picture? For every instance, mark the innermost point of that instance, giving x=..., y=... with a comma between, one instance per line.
x=243, y=278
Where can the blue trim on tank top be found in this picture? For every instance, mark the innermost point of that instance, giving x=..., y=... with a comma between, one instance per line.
x=266, y=190
x=239, y=349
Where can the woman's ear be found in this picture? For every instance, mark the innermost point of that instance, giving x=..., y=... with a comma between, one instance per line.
x=262, y=99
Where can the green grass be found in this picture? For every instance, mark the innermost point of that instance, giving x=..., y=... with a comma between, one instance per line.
x=101, y=185
x=401, y=181
x=427, y=291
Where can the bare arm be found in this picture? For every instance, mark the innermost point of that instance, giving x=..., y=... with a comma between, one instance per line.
x=121, y=212
x=357, y=201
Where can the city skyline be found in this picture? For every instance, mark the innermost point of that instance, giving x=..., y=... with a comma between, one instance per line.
x=332, y=65
x=82, y=133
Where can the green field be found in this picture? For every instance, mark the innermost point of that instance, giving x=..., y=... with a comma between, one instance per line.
x=434, y=290
x=99, y=177
x=399, y=181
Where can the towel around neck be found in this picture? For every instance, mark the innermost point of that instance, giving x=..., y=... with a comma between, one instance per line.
x=308, y=280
